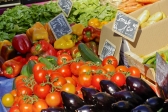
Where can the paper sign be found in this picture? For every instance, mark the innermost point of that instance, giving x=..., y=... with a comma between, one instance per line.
x=126, y=26
x=108, y=49
x=162, y=74
x=66, y=6
x=60, y=26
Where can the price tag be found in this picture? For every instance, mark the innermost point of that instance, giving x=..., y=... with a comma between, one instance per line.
x=66, y=6
x=108, y=49
x=162, y=74
x=60, y=26
x=126, y=26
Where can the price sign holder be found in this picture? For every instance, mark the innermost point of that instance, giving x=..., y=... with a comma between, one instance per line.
x=108, y=49
x=60, y=26
x=66, y=6
x=126, y=26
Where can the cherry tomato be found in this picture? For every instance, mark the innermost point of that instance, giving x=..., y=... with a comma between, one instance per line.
x=53, y=99
x=118, y=78
x=24, y=91
x=110, y=60
x=58, y=81
x=34, y=58
x=85, y=79
x=96, y=80
x=84, y=69
x=68, y=87
x=134, y=71
x=26, y=107
x=39, y=105
x=65, y=71
x=41, y=90
x=8, y=100
x=14, y=93
x=14, y=109
x=40, y=76
x=38, y=66
x=122, y=69
x=19, y=81
x=109, y=68
x=63, y=58
x=70, y=80
x=75, y=66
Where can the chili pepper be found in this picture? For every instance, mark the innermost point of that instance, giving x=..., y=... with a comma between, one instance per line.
x=1, y=62
x=65, y=42
x=77, y=30
x=61, y=51
x=37, y=32
x=75, y=52
x=11, y=68
x=8, y=52
x=90, y=33
x=93, y=46
x=21, y=43
x=43, y=48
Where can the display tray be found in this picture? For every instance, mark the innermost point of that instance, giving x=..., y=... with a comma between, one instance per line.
x=8, y=3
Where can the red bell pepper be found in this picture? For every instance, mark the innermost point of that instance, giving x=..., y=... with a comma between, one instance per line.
x=75, y=52
x=43, y=48
x=21, y=43
x=90, y=33
x=63, y=51
x=93, y=46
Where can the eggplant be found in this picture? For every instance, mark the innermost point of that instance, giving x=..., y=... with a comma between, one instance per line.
x=109, y=87
x=128, y=96
x=140, y=87
x=165, y=106
x=87, y=94
x=56, y=109
x=86, y=108
x=142, y=108
x=103, y=100
x=71, y=102
x=155, y=103
x=122, y=106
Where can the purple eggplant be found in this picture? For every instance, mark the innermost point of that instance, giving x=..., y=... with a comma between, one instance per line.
x=142, y=108
x=86, y=108
x=56, y=109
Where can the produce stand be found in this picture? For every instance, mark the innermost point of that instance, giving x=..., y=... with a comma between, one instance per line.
x=79, y=50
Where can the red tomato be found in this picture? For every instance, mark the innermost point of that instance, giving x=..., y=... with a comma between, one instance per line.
x=70, y=80
x=14, y=109
x=38, y=66
x=14, y=93
x=63, y=58
x=121, y=68
x=41, y=90
x=96, y=80
x=84, y=69
x=68, y=87
x=19, y=81
x=35, y=58
x=53, y=99
x=109, y=68
x=75, y=66
x=58, y=81
x=24, y=91
x=39, y=105
x=65, y=71
x=94, y=68
x=24, y=107
x=85, y=79
x=110, y=60
x=40, y=76
x=134, y=71
x=118, y=78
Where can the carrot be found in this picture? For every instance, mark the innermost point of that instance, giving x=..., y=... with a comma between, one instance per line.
x=147, y=1
x=131, y=8
x=124, y=4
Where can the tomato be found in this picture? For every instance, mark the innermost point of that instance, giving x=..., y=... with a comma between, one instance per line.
x=85, y=79
x=68, y=87
x=41, y=90
x=19, y=81
x=119, y=79
x=40, y=76
x=94, y=68
x=53, y=99
x=74, y=66
x=65, y=71
x=14, y=93
x=58, y=81
x=14, y=109
x=122, y=69
x=38, y=66
x=110, y=60
x=24, y=91
x=34, y=58
x=26, y=107
x=39, y=105
x=84, y=69
x=70, y=80
x=96, y=80
x=134, y=71
x=109, y=68
x=8, y=100
x=63, y=58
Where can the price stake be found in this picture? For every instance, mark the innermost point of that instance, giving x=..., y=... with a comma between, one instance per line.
x=108, y=49
x=162, y=74
x=66, y=6
x=126, y=26
x=60, y=26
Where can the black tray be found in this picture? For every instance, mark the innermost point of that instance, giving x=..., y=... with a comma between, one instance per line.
x=32, y=1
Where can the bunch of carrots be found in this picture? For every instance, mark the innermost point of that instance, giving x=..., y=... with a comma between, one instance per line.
x=129, y=6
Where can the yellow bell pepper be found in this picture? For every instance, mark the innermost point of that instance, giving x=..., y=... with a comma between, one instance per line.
x=94, y=22
x=4, y=42
x=65, y=42
x=102, y=24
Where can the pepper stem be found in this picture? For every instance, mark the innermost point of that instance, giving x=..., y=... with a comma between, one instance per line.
x=9, y=70
x=88, y=34
x=38, y=47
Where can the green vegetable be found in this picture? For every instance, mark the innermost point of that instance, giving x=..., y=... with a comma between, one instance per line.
x=48, y=64
x=87, y=54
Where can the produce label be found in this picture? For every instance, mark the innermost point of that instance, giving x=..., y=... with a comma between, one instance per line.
x=66, y=6
x=60, y=26
x=108, y=49
x=126, y=26
x=162, y=74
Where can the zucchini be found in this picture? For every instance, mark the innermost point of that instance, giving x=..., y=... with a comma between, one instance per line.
x=87, y=54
